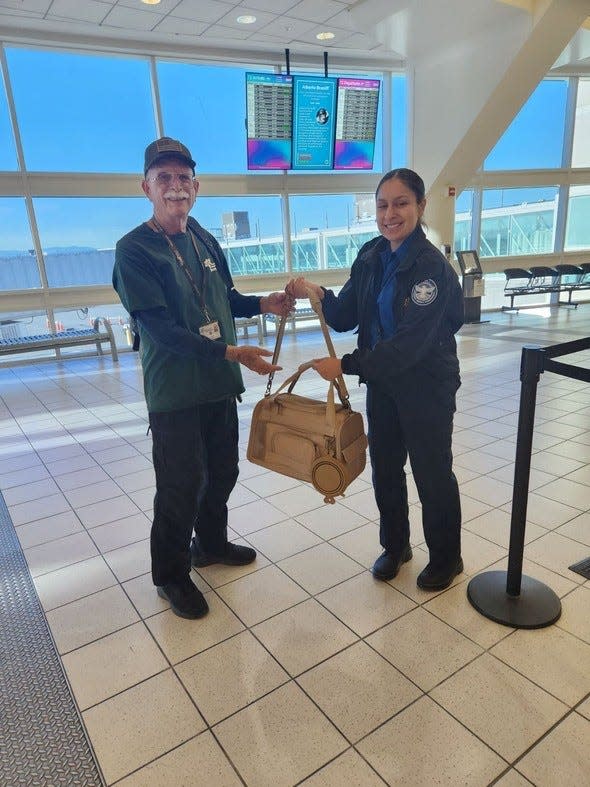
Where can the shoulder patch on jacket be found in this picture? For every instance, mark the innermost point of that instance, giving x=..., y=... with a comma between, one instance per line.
x=424, y=293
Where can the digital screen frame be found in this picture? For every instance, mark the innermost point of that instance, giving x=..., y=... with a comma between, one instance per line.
x=356, y=123
x=269, y=130
x=314, y=122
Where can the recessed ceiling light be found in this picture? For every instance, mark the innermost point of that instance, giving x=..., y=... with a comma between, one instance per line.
x=325, y=36
x=246, y=19
x=150, y=2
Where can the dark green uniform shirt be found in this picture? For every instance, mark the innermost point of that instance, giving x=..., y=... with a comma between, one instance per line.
x=147, y=276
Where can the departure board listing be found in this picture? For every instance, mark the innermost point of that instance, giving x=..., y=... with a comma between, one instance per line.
x=314, y=122
x=269, y=101
x=356, y=123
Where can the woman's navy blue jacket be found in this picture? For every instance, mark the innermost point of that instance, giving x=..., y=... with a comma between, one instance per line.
x=428, y=310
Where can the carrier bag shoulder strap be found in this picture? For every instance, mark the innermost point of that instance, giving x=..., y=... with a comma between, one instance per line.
x=289, y=384
x=316, y=305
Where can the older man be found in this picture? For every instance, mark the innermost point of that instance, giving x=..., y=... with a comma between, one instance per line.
x=173, y=278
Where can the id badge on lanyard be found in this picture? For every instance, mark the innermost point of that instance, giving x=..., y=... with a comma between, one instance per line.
x=210, y=330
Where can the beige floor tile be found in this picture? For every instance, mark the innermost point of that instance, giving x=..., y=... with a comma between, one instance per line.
x=453, y=607
x=557, y=553
x=347, y=769
x=362, y=544
x=179, y=768
x=364, y=603
x=90, y=473
x=269, y=483
x=124, y=531
x=572, y=450
x=144, y=722
x=578, y=529
x=73, y=582
x=180, y=638
x=495, y=526
x=303, y=636
x=218, y=575
x=512, y=779
x=229, y=676
x=470, y=507
x=241, y=496
x=501, y=707
x=358, y=690
x=92, y=493
x=550, y=463
x=29, y=490
x=90, y=618
x=575, y=613
x=423, y=745
x=49, y=529
x=424, y=648
x=142, y=479
x=130, y=561
x=22, y=513
x=562, y=757
x=15, y=477
x=331, y=520
x=143, y=499
x=478, y=553
x=548, y=513
x=320, y=567
x=280, y=739
x=282, y=540
x=362, y=503
x=57, y=554
x=551, y=658
x=479, y=462
x=112, y=664
x=297, y=500
x=581, y=476
x=254, y=516
x=106, y=511
x=558, y=583
x=568, y=492
x=537, y=478
x=487, y=490
x=143, y=595
x=584, y=708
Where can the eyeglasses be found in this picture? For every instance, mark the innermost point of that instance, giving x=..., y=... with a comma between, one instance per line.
x=167, y=178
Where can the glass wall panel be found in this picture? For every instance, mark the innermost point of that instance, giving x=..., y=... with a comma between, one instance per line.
x=534, y=139
x=81, y=113
x=577, y=231
x=78, y=235
x=18, y=263
x=328, y=230
x=205, y=107
x=7, y=149
x=463, y=220
x=518, y=221
x=581, y=149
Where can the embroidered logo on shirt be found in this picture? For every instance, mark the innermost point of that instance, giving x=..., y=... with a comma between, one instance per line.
x=208, y=263
x=424, y=293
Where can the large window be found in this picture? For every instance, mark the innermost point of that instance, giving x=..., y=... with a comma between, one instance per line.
x=518, y=221
x=81, y=113
x=7, y=150
x=18, y=262
x=577, y=233
x=534, y=139
x=463, y=220
x=581, y=147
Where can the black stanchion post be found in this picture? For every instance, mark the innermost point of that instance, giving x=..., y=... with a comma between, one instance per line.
x=509, y=597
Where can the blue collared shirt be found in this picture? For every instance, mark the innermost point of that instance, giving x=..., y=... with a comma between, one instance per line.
x=384, y=321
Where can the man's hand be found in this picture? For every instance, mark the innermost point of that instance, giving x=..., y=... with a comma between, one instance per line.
x=280, y=303
x=329, y=368
x=251, y=358
x=299, y=287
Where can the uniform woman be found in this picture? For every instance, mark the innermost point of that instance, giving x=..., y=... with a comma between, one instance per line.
x=404, y=298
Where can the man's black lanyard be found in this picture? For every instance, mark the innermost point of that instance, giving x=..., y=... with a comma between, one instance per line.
x=184, y=267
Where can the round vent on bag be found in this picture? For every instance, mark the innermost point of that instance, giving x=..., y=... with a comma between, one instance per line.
x=328, y=477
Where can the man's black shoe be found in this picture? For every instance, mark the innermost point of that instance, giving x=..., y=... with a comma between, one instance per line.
x=433, y=578
x=232, y=555
x=185, y=599
x=387, y=565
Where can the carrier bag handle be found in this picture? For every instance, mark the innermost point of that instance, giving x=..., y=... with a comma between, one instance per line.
x=316, y=305
x=330, y=405
x=277, y=349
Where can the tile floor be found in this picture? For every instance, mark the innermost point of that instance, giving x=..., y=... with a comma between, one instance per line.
x=307, y=670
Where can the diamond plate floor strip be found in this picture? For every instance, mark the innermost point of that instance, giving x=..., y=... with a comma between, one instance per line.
x=42, y=740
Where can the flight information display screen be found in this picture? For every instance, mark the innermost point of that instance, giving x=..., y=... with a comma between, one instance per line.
x=356, y=123
x=314, y=122
x=269, y=101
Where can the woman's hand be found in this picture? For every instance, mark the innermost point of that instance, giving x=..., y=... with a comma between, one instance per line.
x=298, y=288
x=329, y=368
x=280, y=303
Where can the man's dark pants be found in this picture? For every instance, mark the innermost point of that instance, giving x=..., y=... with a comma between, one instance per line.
x=195, y=455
